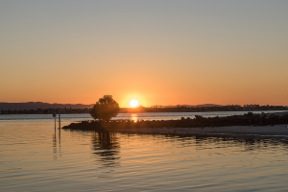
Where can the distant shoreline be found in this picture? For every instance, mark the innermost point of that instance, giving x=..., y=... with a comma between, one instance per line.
x=48, y=108
x=86, y=111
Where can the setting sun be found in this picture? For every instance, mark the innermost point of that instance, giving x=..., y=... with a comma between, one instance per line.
x=134, y=103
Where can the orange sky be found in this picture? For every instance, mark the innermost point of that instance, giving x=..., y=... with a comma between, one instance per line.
x=160, y=52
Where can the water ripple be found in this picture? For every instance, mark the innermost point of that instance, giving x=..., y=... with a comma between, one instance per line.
x=35, y=157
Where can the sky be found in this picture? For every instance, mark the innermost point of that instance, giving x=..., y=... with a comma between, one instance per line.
x=161, y=52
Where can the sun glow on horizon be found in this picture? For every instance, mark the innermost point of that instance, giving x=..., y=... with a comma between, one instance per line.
x=134, y=103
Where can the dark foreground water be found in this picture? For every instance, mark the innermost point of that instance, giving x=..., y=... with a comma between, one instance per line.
x=35, y=157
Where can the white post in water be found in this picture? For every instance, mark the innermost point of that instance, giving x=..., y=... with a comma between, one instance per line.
x=55, y=120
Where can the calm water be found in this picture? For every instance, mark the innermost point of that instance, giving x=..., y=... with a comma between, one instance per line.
x=35, y=157
x=135, y=116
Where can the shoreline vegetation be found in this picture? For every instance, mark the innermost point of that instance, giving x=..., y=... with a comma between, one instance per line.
x=249, y=124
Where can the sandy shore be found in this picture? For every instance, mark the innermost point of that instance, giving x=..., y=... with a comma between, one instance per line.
x=261, y=131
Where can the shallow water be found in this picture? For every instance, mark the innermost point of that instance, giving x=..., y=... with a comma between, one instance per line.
x=36, y=157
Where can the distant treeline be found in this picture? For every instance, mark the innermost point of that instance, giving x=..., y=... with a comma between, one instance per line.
x=42, y=108
x=206, y=108
x=45, y=111
x=72, y=109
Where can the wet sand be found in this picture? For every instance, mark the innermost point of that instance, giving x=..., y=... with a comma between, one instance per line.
x=261, y=131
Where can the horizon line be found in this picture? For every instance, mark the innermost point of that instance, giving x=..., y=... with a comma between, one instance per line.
x=155, y=105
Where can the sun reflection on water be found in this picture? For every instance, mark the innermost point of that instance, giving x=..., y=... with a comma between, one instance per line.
x=134, y=117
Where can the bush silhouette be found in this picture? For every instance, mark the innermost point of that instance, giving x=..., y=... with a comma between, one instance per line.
x=105, y=108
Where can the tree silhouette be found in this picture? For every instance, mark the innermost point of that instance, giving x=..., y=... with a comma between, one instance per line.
x=105, y=108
